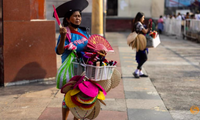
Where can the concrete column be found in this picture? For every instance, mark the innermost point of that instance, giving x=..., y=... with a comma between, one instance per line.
x=157, y=8
x=97, y=17
x=23, y=55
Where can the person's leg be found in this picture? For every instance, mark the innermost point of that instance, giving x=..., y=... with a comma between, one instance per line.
x=136, y=72
x=65, y=113
x=65, y=110
x=143, y=60
x=159, y=31
x=76, y=118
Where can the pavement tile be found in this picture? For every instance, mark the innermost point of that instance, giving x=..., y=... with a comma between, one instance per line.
x=7, y=100
x=117, y=92
x=41, y=94
x=144, y=114
x=135, y=84
x=19, y=113
x=56, y=102
x=184, y=115
x=52, y=113
x=112, y=115
x=146, y=104
x=141, y=95
x=59, y=94
x=30, y=102
x=114, y=105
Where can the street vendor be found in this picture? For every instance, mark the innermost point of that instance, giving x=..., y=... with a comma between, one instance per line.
x=71, y=12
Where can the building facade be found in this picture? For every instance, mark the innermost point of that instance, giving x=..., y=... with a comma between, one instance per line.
x=120, y=13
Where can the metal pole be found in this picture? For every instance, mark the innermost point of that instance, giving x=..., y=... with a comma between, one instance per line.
x=97, y=17
x=104, y=16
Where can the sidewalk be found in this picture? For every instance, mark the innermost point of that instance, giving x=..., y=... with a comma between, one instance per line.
x=133, y=99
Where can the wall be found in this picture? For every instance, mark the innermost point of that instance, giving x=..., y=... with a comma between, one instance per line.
x=118, y=24
x=28, y=46
x=151, y=8
x=1, y=44
x=158, y=7
x=127, y=10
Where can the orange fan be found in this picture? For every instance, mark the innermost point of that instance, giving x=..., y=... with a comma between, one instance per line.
x=98, y=42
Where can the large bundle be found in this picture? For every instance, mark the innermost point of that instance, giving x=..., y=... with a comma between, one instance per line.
x=137, y=41
x=82, y=96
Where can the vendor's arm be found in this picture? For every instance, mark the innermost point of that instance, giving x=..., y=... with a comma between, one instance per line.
x=61, y=44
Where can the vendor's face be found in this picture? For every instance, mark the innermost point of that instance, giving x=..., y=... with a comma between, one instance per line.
x=75, y=18
x=142, y=19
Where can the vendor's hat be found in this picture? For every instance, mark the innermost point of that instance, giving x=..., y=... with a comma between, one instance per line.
x=79, y=113
x=68, y=86
x=70, y=6
x=95, y=112
x=88, y=88
x=69, y=101
x=85, y=100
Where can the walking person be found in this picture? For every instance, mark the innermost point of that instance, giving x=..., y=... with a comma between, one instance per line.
x=160, y=25
x=141, y=55
x=71, y=12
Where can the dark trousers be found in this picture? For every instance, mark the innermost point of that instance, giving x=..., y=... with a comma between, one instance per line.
x=142, y=60
x=159, y=31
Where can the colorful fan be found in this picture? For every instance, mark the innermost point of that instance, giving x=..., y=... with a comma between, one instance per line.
x=150, y=23
x=98, y=42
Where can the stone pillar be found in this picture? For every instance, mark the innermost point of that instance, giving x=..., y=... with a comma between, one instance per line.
x=158, y=7
x=97, y=17
x=1, y=44
x=37, y=8
x=28, y=45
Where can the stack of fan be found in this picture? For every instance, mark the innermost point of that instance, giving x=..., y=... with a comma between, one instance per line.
x=82, y=96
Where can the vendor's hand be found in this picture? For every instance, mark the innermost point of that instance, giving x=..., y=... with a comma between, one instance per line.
x=63, y=31
x=102, y=52
x=70, y=46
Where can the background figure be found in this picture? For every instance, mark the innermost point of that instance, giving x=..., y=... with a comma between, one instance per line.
x=160, y=25
x=192, y=16
x=179, y=16
x=187, y=16
x=197, y=15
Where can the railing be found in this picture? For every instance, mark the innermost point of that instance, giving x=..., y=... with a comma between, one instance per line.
x=173, y=27
x=189, y=28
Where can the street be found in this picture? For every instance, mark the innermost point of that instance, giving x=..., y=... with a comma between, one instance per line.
x=172, y=88
x=174, y=69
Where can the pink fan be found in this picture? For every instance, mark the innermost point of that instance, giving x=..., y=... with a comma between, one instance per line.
x=56, y=16
x=98, y=42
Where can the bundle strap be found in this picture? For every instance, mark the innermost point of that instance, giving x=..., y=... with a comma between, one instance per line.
x=75, y=32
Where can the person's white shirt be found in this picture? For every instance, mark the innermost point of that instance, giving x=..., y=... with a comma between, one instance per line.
x=179, y=17
x=197, y=16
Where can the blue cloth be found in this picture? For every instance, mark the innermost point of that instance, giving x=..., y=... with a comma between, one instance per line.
x=160, y=26
x=77, y=40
